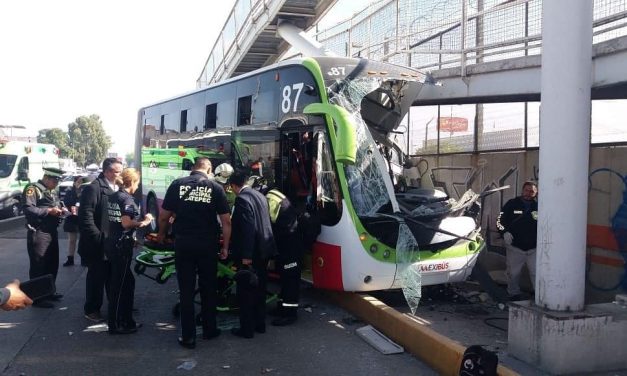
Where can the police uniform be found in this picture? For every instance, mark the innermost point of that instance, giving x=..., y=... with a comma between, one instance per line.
x=42, y=235
x=520, y=218
x=118, y=249
x=290, y=247
x=196, y=201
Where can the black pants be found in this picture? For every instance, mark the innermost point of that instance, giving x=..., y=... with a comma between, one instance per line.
x=121, y=291
x=252, y=300
x=43, y=252
x=290, y=247
x=289, y=271
x=96, y=282
x=196, y=257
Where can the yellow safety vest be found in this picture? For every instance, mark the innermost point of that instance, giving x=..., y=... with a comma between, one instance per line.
x=274, y=203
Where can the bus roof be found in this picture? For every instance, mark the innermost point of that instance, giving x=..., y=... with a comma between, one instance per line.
x=389, y=68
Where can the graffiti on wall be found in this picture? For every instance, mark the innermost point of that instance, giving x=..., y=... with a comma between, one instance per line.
x=612, y=238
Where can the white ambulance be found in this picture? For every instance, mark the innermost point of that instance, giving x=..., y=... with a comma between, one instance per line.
x=20, y=163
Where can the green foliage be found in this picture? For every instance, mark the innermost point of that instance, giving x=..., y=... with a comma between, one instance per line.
x=57, y=137
x=130, y=159
x=88, y=140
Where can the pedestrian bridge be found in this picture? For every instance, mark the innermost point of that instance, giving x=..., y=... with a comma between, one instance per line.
x=249, y=39
x=466, y=47
x=518, y=79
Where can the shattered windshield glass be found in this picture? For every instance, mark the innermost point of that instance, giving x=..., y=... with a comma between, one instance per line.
x=368, y=182
x=370, y=186
x=407, y=272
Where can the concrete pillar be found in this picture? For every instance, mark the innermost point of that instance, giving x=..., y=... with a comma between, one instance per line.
x=564, y=153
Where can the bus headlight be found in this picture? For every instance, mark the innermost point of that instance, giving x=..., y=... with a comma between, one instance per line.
x=374, y=248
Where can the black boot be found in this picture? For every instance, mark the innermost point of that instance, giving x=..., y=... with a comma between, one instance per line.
x=69, y=262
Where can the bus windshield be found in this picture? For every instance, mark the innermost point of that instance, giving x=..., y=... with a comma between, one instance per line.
x=375, y=106
x=7, y=162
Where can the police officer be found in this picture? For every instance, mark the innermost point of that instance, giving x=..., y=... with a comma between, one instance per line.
x=196, y=202
x=124, y=217
x=43, y=212
x=518, y=222
x=289, y=243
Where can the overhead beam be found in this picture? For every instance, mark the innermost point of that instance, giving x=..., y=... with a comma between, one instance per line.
x=518, y=79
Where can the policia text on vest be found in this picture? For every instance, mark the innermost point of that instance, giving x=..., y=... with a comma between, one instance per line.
x=195, y=194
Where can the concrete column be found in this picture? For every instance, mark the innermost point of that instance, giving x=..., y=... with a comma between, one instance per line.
x=564, y=153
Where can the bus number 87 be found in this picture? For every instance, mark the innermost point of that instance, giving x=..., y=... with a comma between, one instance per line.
x=286, y=103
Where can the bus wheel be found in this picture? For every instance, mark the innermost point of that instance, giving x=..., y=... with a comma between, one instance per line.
x=153, y=209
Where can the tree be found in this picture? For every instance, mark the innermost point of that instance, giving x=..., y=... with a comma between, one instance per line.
x=88, y=139
x=130, y=160
x=57, y=137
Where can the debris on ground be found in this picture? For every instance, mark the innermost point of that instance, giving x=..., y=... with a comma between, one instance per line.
x=379, y=341
x=187, y=365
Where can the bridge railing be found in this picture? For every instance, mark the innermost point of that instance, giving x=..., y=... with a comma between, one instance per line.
x=431, y=35
x=239, y=23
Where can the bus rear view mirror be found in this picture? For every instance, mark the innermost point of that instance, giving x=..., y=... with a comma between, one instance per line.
x=344, y=139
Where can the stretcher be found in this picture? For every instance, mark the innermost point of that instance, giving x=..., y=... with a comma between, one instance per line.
x=160, y=258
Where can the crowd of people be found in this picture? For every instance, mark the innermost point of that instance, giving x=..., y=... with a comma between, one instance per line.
x=210, y=216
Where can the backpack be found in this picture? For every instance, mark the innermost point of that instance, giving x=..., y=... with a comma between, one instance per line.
x=478, y=361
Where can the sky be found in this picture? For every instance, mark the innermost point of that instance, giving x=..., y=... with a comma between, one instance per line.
x=67, y=58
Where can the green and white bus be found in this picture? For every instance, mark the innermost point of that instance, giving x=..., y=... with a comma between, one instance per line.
x=317, y=129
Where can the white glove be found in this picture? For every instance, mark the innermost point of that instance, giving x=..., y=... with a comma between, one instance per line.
x=508, y=238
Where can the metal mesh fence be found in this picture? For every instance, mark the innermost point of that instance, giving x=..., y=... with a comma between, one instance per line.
x=434, y=34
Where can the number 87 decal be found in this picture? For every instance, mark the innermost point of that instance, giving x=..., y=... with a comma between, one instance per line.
x=286, y=103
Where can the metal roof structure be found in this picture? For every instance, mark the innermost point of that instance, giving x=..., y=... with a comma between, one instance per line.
x=249, y=39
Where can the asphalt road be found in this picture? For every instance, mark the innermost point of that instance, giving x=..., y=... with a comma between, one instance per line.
x=61, y=341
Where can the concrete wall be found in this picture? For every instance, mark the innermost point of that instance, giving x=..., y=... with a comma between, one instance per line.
x=606, y=271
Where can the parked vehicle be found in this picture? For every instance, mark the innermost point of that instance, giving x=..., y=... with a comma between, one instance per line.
x=20, y=163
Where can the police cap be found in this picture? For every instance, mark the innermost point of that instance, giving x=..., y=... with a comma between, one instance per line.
x=53, y=172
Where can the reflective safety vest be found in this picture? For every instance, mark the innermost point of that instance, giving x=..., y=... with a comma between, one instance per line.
x=275, y=197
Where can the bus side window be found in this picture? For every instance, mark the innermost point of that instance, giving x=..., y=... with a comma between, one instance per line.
x=187, y=164
x=244, y=110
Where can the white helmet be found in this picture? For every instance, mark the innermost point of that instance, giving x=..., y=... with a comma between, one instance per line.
x=223, y=172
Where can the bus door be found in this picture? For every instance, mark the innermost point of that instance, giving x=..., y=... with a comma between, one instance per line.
x=297, y=163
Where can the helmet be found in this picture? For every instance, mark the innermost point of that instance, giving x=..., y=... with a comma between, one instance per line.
x=223, y=172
